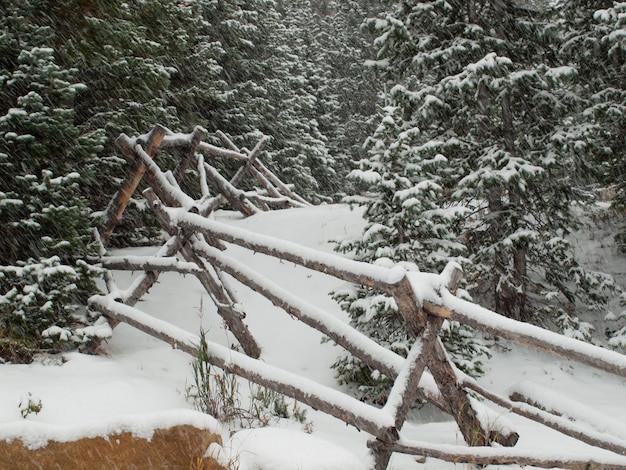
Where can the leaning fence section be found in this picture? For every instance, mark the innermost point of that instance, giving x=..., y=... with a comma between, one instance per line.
x=197, y=245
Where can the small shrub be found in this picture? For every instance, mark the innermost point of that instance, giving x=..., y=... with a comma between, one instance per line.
x=30, y=406
x=217, y=393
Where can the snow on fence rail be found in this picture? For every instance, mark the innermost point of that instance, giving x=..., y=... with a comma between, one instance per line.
x=423, y=300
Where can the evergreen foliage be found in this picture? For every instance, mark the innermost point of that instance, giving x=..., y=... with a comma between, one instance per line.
x=46, y=223
x=499, y=118
x=478, y=158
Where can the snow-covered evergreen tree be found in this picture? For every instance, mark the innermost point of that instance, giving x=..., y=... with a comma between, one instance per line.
x=594, y=41
x=333, y=48
x=477, y=142
x=46, y=223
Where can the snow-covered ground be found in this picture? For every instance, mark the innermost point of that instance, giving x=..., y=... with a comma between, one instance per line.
x=143, y=381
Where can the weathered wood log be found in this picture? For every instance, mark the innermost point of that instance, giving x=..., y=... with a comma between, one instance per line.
x=272, y=191
x=282, y=187
x=187, y=153
x=221, y=297
x=148, y=263
x=411, y=312
x=358, y=344
x=370, y=352
x=406, y=385
x=236, y=179
x=448, y=306
x=142, y=284
x=442, y=368
x=218, y=152
x=108, y=277
x=444, y=374
x=204, y=185
x=533, y=410
x=234, y=196
x=349, y=410
x=117, y=205
x=560, y=405
x=354, y=272
x=491, y=456
x=405, y=389
x=229, y=144
x=226, y=306
x=334, y=265
x=174, y=336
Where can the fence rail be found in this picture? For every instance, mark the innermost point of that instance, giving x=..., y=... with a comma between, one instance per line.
x=424, y=301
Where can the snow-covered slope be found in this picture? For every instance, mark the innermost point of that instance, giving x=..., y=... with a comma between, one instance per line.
x=137, y=375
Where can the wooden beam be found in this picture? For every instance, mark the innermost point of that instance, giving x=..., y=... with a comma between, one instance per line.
x=234, y=196
x=236, y=179
x=117, y=205
x=221, y=296
x=148, y=263
x=490, y=456
x=448, y=306
x=333, y=402
x=334, y=265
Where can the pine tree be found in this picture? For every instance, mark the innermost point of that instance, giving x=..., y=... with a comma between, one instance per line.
x=46, y=223
x=476, y=138
x=332, y=48
x=594, y=42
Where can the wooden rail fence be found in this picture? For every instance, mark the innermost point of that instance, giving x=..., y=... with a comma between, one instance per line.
x=197, y=245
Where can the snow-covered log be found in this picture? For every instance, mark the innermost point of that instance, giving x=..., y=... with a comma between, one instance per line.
x=446, y=305
x=234, y=196
x=571, y=417
x=236, y=179
x=149, y=263
x=372, y=420
x=563, y=425
x=342, y=268
x=559, y=405
x=117, y=205
x=501, y=456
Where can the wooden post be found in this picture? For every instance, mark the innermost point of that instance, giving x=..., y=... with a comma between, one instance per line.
x=443, y=370
x=405, y=388
x=187, y=153
x=118, y=204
